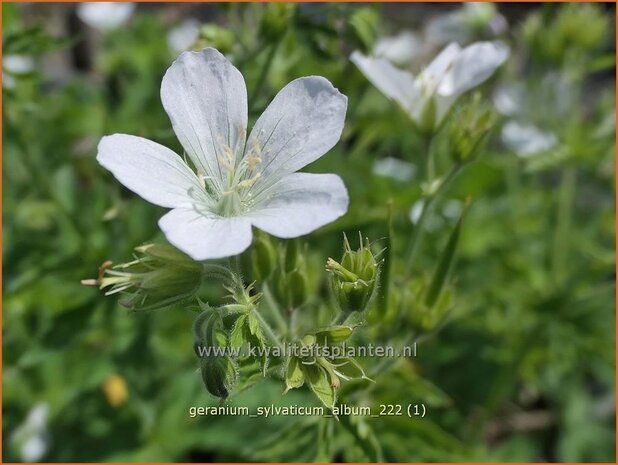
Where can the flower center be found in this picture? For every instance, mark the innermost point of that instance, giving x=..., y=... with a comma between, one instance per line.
x=238, y=193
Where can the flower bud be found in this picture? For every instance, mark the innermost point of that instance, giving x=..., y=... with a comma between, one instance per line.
x=219, y=371
x=292, y=256
x=263, y=257
x=468, y=128
x=291, y=282
x=220, y=375
x=161, y=275
x=354, y=279
x=291, y=289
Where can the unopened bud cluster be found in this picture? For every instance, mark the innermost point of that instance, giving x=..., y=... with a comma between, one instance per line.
x=353, y=280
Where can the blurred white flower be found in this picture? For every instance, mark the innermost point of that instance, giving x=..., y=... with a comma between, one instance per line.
x=394, y=168
x=184, y=36
x=416, y=210
x=15, y=65
x=240, y=182
x=527, y=140
x=105, y=16
x=452, y=209
x=510, y=99
x=400, y=49
x=466, y=23
x=31, y=437
x=428, y=97
x=432, y=223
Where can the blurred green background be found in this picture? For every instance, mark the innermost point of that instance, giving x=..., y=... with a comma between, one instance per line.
x=523, y=371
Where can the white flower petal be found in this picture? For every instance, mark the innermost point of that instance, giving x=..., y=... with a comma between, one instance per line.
x=527, y=140
x=510, y=99
x=18, y=64
x=400, y=49
x=105, y=15
x=183, y=36
x=37, y=417
x=393, y=82
x=302, y=203
x=206, y=237
x=474, y=65
x=437, y=69
x=151, y=170
x=205, y=97
x=395, y=168
x=302, y=123
x=34, y=448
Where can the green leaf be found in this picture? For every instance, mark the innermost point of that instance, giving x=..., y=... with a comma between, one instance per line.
x=237, y=335
x=254, y=325
x=295, y=377
x=351, y=369
x=444, y=266
x=333, y=334
x=319, y=382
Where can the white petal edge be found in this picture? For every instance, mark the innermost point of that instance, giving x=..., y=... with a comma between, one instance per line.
x=151, y=170
x=205, y=97
x=302, y=123
x=302, y=203
x=206, y=237
x=474, y=65
x=393, y=82
x=437, y=69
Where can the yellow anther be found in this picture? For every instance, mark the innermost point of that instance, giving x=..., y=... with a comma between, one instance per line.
x=202, y=178
x=253, y=161
x=225, y=163
x=249, y=182
x=255, y=148
x=229, y=153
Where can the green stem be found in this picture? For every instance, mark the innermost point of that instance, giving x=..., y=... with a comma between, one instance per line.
x=560, y=250
x=275, y=309
x=340, y=319
x=417, y=232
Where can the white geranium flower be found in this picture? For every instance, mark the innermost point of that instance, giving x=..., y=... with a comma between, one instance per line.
x=428, y=97
x=31, y=437
x=433, y=221
x=527, y=140
x=105, y=16
x=15, y=65
x=240, y=181
x=394, y=168
x=400, y=49
x=510, y=100
x=466, y=23
x=183, y=36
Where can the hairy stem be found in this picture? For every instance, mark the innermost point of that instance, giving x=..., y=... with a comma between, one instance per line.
x=275, y=309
